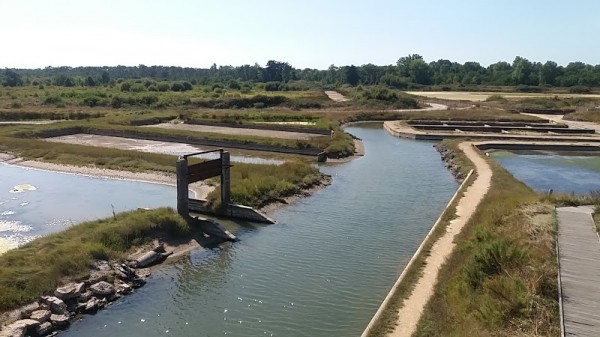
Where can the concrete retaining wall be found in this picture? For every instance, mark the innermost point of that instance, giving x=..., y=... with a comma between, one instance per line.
x=234, y=211
x=539, y=147
x=400, y=279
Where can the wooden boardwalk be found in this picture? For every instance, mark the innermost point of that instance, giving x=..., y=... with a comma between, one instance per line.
x=579, y=258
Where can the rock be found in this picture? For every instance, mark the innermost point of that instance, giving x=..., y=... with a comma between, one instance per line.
x=123, y=288
x=97, y=276
x=60, y=321
x=124, y=272
x=71, y=290
x=12, y=331
x=91, y=306
x=26, y=310
x=149, y=259
x=102, y=288
x=44, y=329
x=102, y=265
x=57, y=306
x=138, y=282
x=41, y=315
x=19, y=328
x=85, y=296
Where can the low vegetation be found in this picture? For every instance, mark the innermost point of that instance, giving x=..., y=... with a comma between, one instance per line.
x=257, y=185
x=501, y=278
x=37, y=267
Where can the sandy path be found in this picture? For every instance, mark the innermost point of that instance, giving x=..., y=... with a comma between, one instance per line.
x=412, y=309
x=336, y=96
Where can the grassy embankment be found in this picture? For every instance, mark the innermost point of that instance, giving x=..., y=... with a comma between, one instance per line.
x=501, y=278
x=387, y=321
x=37, y=267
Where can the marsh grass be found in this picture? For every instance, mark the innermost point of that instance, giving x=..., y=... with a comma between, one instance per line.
x=501, y=278
x=37, y=267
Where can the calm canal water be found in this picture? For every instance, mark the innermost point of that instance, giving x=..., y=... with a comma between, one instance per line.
x=560, y=172
x=322, y=270
x=35, y=202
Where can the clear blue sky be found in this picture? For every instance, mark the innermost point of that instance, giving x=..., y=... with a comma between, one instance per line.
x=307, y=33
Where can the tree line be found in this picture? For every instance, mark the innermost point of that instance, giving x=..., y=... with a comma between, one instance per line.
x=409, y=72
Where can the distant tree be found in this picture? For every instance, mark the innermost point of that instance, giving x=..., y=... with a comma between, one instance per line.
x=105, y=77
x=522, y=71
x=549, y=72
x=89, y=82
x=419, y=71
x=352, y=76
x=12, y=79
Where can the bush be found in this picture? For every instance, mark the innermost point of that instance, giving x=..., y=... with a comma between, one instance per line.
x=580, y=89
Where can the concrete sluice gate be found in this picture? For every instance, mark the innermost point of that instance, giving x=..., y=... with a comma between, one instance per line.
x=187, y=174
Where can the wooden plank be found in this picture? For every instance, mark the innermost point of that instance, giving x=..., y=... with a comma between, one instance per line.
x=579, y=256
x=204, y=170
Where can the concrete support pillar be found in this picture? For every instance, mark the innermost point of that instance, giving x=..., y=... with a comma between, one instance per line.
x=225, y=182
x=183, y=200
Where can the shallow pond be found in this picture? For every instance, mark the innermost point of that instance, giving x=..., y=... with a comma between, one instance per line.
x=560, y=172
x=35, y=202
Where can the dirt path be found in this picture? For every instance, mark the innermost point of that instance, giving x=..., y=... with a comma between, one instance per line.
x=336, y=96
x=411, y=311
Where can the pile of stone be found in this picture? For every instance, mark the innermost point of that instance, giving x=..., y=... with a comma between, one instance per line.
x=448, y=158
x=53, y=313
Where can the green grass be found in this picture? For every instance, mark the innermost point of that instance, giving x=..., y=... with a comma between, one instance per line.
x=257, y=185
x=474, y=114
x=501, y=278
x=37, y=267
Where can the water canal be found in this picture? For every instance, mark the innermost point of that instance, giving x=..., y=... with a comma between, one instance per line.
x=564, y=173
x=322, y=270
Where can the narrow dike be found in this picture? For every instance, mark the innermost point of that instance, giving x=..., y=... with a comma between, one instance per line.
x=412, y=307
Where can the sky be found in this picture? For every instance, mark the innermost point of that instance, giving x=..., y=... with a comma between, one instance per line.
x=306, y=34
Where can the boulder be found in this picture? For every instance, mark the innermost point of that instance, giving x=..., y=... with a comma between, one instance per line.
x=71, y=290
x=41, y=315
x=122, y=288
x=44, y=329
x=57, y=306
x=102, y=288
x=102, y=265
x=97, y=276
x=60, y=321
x=12, y=331
x=19, y=328
x=91, y=306
x=85, y=296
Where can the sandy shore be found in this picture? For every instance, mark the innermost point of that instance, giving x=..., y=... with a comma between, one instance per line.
x=412, y=308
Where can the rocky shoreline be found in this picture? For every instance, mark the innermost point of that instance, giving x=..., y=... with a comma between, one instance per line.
x=105, y=284
x=449, y=161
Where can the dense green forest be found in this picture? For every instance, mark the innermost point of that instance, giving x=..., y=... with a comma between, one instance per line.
x=410, y=72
